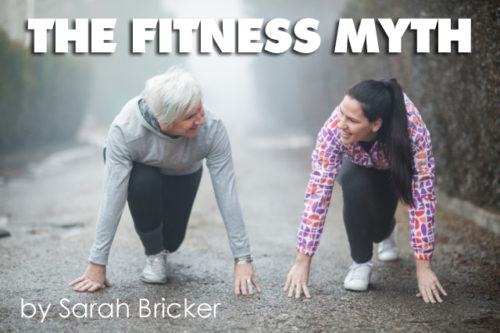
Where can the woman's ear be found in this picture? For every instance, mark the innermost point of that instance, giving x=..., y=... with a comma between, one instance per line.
x=376, y=125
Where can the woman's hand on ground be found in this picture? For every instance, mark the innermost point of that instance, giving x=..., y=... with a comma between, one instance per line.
x=298, y=276
x=428, y=283
x=244, y=278
x=93, y=279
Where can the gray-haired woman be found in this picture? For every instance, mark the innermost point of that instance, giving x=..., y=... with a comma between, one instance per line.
x=153, y=160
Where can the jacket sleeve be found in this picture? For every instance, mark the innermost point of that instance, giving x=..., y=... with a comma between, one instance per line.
x=114, y=195
x=421, y=215
x=326, y=163
x=220, y=165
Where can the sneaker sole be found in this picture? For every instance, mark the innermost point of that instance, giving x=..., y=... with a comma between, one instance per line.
x=153, y=281
x=388, y=257
x=355, y=288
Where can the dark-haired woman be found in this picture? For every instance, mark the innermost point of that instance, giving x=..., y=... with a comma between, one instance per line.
x=377, y=147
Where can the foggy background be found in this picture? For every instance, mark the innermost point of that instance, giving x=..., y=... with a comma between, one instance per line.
x=266, y=100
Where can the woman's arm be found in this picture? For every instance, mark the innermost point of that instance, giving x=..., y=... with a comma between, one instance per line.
x=326, y=162
x=422, y=213
x=115, y=187
x=220, y=164
x=115, y=182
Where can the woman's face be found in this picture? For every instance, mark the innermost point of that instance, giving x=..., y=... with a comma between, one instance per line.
x=188, y=124
x=353, y=124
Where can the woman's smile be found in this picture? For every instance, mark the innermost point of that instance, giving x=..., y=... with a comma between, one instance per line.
x=345, y=135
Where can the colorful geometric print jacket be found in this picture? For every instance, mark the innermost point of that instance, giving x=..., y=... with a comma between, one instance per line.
x=326, y=163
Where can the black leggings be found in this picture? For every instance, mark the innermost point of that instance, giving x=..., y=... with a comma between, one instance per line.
x=369, y=206
x=160, y=206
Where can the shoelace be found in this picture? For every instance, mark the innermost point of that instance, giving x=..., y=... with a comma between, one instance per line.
x=358, y=271
x=388, y=244
x=156, y=262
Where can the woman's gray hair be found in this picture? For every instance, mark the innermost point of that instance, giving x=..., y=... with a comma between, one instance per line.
x=172, y=94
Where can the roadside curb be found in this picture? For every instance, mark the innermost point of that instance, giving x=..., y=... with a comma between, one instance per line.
x=469, y=211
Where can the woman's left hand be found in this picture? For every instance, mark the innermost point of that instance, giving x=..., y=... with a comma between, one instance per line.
x=244, y=279
x=428, y=283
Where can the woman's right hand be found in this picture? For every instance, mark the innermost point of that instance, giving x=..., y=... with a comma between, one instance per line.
x=298, y=276
x=93, y=279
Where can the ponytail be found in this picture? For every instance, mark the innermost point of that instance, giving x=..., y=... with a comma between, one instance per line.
x=399, y=146
x=384, y=99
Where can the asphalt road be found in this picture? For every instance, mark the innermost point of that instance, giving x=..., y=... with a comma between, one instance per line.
x=51, y=209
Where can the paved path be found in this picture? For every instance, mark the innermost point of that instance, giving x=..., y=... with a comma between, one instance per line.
x=51, y=214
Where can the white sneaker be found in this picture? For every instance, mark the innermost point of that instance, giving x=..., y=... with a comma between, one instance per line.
x=358, y=277
x=388, y=248
x=155, y=270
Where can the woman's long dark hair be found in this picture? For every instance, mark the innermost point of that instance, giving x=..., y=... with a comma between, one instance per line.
x=384, y=99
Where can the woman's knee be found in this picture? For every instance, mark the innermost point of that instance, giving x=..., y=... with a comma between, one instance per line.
x=144, y=180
